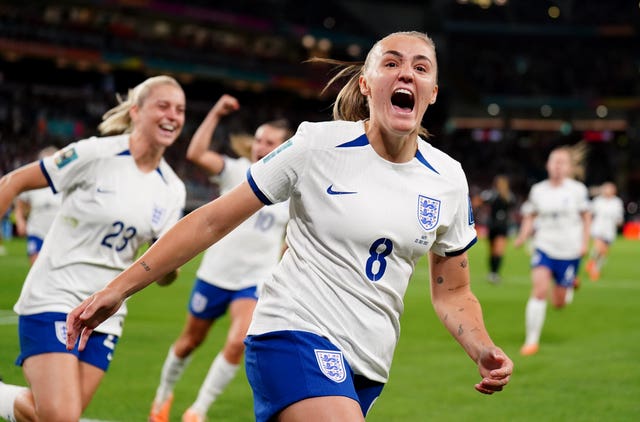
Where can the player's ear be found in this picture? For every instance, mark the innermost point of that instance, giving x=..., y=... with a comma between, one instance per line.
x=133, y=112
x=364, y=86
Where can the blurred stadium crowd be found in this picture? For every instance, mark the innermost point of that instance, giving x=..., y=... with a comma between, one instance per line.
x=517, y=78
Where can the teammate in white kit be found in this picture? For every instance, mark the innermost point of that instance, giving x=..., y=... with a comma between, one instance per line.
x=34, y=211
x=118, y=194
x=369, y=197
x=558, y=207
x=608, y=216
x=230, y=271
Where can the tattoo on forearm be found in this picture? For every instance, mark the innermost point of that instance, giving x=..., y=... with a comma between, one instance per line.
x=460, y=286
x=145, y=266
x=460, y=330
x=440, y=279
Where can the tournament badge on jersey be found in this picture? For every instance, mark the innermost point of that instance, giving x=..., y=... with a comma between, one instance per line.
x=65, y=156
x=428, y=212
x=331, y=364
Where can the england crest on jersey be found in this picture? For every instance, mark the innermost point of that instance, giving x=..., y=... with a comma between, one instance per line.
x=428, y=212
x=331, y=364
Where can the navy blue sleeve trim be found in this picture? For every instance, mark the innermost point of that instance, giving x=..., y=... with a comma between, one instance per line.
x=257, y=190
x=463, y=250
x=46, y=175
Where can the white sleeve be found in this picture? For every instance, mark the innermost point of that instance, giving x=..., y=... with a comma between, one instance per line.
x=461, y=234
x=273, y=178
x=68, y=167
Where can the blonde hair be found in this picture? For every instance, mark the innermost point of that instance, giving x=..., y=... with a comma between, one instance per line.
x=350, y=103
x=578, y=153
x=117, y=120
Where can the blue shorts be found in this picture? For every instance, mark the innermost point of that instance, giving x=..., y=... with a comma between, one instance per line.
x=564, y=271
x=34, y=244
x=284, y=367
x=210, y=302
x=47, y=333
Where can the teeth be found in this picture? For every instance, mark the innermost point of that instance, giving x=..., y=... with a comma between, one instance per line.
x=402, y=91
x=168, y=127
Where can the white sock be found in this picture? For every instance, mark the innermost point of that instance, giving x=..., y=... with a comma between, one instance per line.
x=535, y=313
x=8, y=394
x=219, y=376
x=172, y=370
x=568, y=296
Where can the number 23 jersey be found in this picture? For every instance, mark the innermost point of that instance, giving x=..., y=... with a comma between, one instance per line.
x=358, y=226
x=110, y=208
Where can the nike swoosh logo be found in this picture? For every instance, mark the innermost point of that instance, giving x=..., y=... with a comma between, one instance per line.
x=102, y=190
x=330, y=191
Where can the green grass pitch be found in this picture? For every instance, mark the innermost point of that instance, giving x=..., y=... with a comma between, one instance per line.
x=588, y=367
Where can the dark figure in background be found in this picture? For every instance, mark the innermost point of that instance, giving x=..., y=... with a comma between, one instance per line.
x=500, y=201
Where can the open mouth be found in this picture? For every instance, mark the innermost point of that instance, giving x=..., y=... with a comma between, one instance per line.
x=403, y=99
x=168, y=127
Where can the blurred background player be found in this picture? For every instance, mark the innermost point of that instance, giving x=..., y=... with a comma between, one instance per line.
x=34, y=212
x=500, y=201
x=608, y=216
x=232, y=270
x=118, y=195
x=558, y=207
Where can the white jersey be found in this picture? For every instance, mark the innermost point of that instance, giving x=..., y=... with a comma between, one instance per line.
x=109, y=210
x=559, y=228
x=608, y=214
x=43, y=207
x=358, y=226
x=246, y=256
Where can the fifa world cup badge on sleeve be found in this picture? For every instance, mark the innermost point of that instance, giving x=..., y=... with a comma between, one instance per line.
x=65, y=156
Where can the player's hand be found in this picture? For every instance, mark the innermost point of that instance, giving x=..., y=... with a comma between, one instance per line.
x=518, y=242
x=225, y=105
x=89, y=314
x=495, y=368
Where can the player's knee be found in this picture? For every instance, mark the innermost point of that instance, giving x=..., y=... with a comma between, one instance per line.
x=234, y=349
x=58, y=412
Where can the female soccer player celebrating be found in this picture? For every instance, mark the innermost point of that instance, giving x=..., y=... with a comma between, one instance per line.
x=118, y=194
x=368, y=197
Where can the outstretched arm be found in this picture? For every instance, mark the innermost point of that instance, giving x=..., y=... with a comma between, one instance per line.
x=198, y=151
x=188, y=237
x=21, y=179
x=526, y=230
x=460, y=312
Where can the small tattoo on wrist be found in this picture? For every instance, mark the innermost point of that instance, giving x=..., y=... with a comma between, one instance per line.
x=145, y=266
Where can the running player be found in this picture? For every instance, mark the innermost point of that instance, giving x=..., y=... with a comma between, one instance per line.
x=608, y=216
x=35, y=211
x=559, y=209
x=118, y=194
x=369, y=197
x=230, y=271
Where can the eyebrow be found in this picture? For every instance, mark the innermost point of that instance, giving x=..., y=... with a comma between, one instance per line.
x=399, y=55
